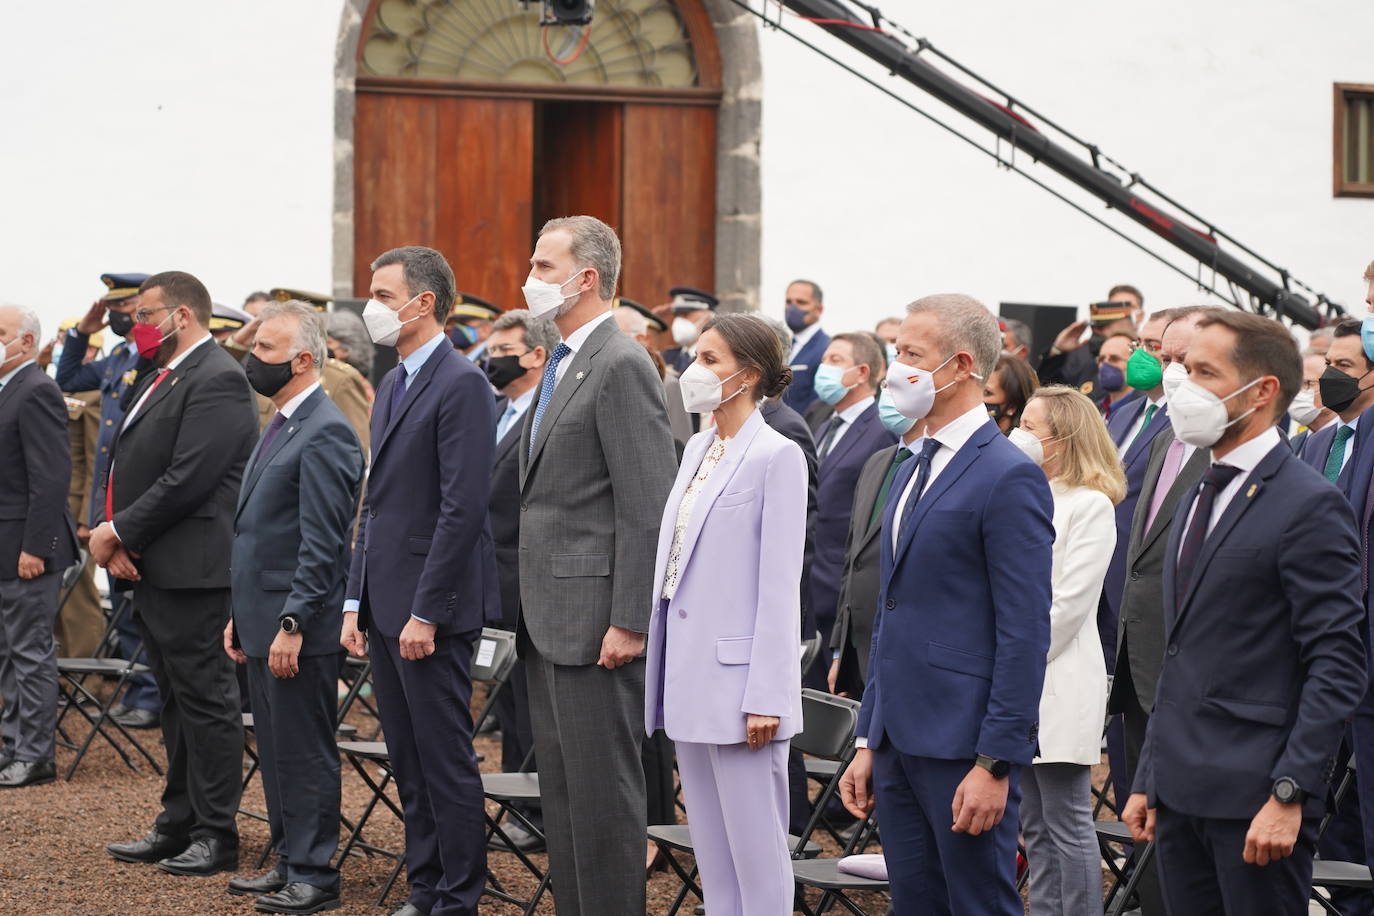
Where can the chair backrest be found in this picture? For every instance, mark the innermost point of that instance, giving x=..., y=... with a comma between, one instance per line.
x=810, y=648
x=828, y=724
x=493, y=656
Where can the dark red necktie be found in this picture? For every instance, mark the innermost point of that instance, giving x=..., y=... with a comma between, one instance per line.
x=109, y=478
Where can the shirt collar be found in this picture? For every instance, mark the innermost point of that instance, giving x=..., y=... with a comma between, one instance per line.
x=417, y=359
x=961, y=429
x=853, y=411
x=803, y=337
x=1339, y=423
x=1248, y=455
x=522, y=403
x=291, y=405
x=178, y=360
x=5, y=379
x=576, y=339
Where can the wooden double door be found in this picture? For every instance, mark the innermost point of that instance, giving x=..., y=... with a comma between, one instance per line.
x=476, y=177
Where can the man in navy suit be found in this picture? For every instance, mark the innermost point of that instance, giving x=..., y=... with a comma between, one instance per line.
x=1264, y=659
x=853, y=365
x=1347, y=387
x=292, y=534
x=423, y=579
x=804, y=308
x=951, y=706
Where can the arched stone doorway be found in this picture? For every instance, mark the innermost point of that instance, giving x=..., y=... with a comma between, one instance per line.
x=456, y=129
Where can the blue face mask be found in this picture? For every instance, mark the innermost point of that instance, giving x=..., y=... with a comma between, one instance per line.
x=463, y=336
x=795, y=318
x=1367, y=336
x=829, y=385
x=1110, y=378
x=892, y=419
x=891, y=353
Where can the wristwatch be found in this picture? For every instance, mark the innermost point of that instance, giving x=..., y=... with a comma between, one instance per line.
x=290, y=624
x=1000, y=769
x=1287, y=791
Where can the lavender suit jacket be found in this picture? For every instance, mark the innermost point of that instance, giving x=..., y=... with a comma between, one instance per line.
x=728, y=644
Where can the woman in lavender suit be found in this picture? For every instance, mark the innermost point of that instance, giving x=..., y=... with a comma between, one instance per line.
x=724, y=669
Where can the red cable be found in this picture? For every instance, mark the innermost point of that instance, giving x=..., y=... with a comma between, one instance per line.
x=581, y=46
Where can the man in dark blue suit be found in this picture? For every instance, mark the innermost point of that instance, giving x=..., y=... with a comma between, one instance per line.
x=951, y=707
x=1264, y=659
x=804, y=308
x=114, y=376
x=850, y=370
x=1347, y=387
x=292, y=534
x=423, y=579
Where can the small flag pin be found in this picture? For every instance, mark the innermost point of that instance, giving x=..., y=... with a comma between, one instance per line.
x=579, y=376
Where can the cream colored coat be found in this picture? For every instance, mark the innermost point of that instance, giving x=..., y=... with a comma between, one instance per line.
x=1074, y=702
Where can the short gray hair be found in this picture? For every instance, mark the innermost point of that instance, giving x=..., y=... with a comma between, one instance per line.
x=539, y=332
x=425, y=271
x=638, y=323
x=28, y=322
x=348, y=329
x=1019, y=332
x=966, y=326
x=310, y=327
x=594, y=245
x=783, y=332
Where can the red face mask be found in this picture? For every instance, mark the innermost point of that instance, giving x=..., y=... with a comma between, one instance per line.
x=148, y=338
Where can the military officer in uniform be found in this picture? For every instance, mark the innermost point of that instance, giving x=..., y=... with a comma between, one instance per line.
x=469, y=325
x=113, y=376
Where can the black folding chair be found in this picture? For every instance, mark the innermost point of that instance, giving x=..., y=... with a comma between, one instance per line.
x=362, y=755
x=1326, y=873
x=1126, y=875
x=357, y=674
x=75, y=695
x=827, y=731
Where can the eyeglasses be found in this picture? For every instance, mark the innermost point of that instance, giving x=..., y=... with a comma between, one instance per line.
x=506, y=350
x=142, y=315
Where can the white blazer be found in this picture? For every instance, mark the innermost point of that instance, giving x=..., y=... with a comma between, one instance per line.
x=1074, y=702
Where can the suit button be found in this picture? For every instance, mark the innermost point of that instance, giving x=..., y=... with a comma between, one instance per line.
x=891, y=604
x=1173, y=649
x=104, y=448
x=523, y=507
x=109, y=422
x=858, y=564
x=372, y=513
x=681, y=613
x=1135, y=576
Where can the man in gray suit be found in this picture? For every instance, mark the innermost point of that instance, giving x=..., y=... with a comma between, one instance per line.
x=596, y=463
x=1172, y=473
x=859, y=587
x=290, y=562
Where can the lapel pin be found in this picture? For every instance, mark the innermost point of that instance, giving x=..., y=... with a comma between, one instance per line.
x=579, y=376
x=1251, y=492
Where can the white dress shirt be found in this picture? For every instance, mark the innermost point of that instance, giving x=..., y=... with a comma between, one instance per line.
x=418, y=357
x=574, y=342
x=298, y=400
x=514, y=411
x=951, y=438
x=5, y=379
x=1245, y=456
x=1139, y=424
x=801, y=339
x=846, y=418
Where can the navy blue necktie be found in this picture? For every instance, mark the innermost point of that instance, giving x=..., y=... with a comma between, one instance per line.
x=546, y=386
x=271, y=433
x=398, y=393
x=922, y=478
x=1213, y=482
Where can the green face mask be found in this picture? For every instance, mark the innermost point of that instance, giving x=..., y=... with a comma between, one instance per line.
x=1143, y=371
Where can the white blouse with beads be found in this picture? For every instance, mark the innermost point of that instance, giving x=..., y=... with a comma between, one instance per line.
x=684, y=513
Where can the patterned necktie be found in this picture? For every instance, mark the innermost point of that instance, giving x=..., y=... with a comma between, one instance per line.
x=880, y=503
x=922, y=478
x=1168, y=473
x=271, y=433
x=1336, y=459
x=1213, y=482
x=546, y=385
x=1149, y=415
x=398, y=393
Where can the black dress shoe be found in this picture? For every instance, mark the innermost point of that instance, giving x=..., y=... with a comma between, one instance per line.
x=152, y=848
x=205, y=856
x=133, y=717
x=518, y=836
x=269, y=883
x=299, y=897
x=410, y=909
x=20, y=773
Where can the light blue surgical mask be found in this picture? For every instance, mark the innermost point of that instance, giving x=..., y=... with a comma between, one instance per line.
x=829, y=387
x=891, y=417
x=891, y=353
x=1367, y=335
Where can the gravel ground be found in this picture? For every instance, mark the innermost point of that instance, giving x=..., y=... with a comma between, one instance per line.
x=52, y=857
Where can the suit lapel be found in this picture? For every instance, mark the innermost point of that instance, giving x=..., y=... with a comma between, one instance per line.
x=284, y=435
x=184, y=370
x=852, y=436
x=1123, y=418
x=866, y=493
x=715, y=484
x=1189, y=473
x=422, y=380
x=573, y=377
x=1146, y=436
x=20, y=380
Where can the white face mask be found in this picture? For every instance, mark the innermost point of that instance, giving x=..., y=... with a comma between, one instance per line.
x=913, y=390
x=384, y=324
x=1175, y=374
x=1028, y=443
x=1304, y=409
x=1199, y=417
x=700, y=389
x=685, y=332
x=543, y=297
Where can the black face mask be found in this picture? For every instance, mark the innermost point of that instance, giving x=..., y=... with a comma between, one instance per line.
x=121, y=323
x=267, y=378
x=502, y=370
x=1338, y=390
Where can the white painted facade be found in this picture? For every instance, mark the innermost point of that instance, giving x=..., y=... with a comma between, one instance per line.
x=154, y=134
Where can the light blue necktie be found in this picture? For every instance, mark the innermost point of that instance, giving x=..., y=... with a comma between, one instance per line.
x=546, y=390
x=504, y=426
